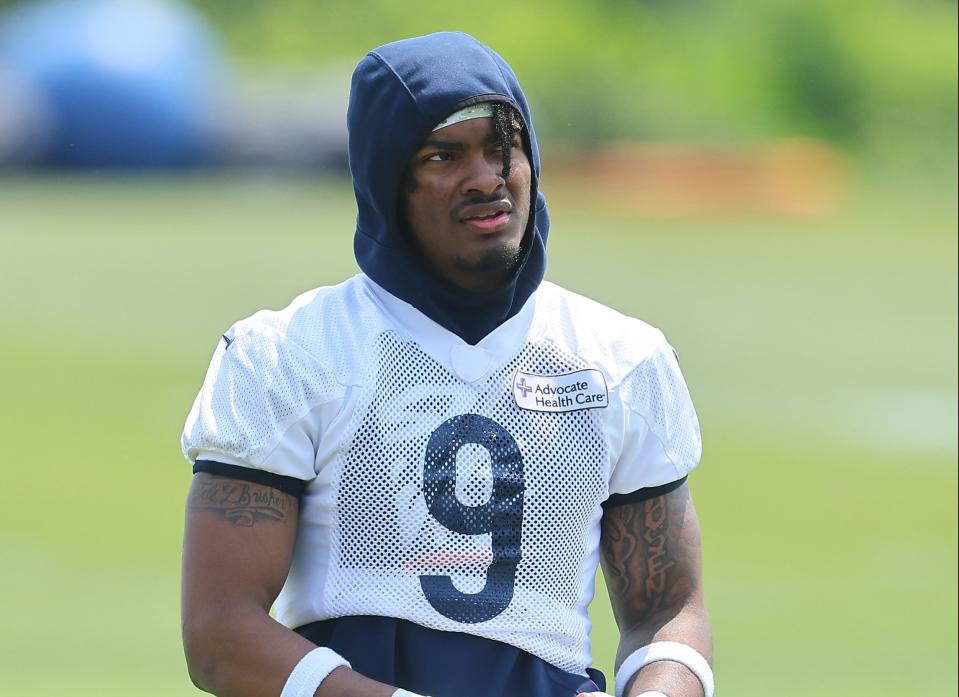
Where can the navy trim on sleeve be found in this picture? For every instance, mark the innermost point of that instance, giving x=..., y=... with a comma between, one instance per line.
x=642, y=494
x=288, y=485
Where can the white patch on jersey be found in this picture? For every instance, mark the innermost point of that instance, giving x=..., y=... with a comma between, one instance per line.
x=580, y=389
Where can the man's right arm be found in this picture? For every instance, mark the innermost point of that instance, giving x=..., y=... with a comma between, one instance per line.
x=237, y=550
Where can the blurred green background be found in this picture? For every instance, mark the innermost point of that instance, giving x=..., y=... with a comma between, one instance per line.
x=860, y=72
x=821, y=349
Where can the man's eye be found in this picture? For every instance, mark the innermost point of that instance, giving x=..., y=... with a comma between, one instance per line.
x=440, y=157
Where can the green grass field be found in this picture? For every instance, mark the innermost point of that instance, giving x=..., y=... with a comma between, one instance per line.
x=821, y=355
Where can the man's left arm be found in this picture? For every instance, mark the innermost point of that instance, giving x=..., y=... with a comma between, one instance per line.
x=651, y=556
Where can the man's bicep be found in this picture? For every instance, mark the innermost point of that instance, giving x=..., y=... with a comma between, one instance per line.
x=651, y=556
x=238, y=542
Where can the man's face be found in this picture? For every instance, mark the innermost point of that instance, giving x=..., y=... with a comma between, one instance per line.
x=467, y=221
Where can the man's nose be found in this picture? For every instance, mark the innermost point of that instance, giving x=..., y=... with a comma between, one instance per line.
x=485, y=175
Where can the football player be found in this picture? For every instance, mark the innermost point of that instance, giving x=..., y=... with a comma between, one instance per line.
x=420, y=468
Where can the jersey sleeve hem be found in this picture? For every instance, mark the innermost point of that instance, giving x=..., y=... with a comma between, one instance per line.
x=643, y=494
x=682, y=462
x=288, y=485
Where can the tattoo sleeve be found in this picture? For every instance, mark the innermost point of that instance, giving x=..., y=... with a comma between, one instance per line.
x=242, y=503
x=651, y=559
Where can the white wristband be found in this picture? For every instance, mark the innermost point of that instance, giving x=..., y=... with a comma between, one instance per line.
x=665, y=651
x=405, y=693
x=311, y=671
x=652, y=694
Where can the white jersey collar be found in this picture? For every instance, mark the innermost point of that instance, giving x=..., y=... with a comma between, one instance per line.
x=470, y=363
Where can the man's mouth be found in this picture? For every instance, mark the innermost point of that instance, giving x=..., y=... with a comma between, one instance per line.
x=488, y=223
x=487, y=217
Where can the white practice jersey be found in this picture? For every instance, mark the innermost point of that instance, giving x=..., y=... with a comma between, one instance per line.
x=455, y=486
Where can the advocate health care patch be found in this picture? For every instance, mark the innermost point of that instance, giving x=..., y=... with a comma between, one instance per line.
x=580, y=389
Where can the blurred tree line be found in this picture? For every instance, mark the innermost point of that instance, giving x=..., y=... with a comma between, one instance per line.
x=868, y=75
x=861, y=73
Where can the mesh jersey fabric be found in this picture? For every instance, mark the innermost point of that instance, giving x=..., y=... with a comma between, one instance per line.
x=432, y=496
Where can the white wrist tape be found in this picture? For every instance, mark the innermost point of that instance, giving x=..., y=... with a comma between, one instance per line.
x=665, y=651
x=311, y=671
x=405, y=693
x=652, y=694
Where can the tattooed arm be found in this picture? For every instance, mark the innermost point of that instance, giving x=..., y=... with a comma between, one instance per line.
x=651, y=560
x=237, y=551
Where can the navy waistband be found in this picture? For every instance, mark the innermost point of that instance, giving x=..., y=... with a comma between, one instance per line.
x=444, y=664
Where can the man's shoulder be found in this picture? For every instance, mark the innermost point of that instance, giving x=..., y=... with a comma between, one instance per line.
x=593, y=318
x=318, y=317
x=596, y=332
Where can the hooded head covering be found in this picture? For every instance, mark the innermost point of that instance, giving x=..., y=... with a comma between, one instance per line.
x=399, y=93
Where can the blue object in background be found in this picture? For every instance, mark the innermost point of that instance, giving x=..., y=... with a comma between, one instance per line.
x=127, y=83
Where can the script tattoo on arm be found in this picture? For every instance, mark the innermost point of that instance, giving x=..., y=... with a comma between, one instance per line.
x=651, y=556
x=242, y=503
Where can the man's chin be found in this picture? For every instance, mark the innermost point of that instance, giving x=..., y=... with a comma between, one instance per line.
x=494, y=261
x=487, y=272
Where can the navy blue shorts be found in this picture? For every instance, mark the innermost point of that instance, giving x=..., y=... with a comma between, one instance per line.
x=444, y=664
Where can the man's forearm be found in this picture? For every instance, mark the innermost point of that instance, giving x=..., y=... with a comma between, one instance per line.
x=689, y=626
x=252, y=655
x=240, y=652
x=670, y=678
x=651, y=559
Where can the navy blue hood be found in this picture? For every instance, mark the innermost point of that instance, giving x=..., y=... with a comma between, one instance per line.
x=399, y=93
